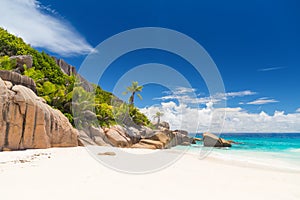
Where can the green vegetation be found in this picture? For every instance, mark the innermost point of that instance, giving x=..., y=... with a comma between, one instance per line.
x=6, y=63
x=58, y=89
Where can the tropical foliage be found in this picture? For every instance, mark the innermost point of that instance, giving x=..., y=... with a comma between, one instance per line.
x=6, y=63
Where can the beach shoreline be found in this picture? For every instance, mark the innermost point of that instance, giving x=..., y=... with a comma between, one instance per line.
x=72, y=173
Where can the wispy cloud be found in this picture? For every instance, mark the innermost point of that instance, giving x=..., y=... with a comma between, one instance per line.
x=262, y=101
x=41, y=26
x=236, y=94
x=183, y=90
x=189, y=96
x=298, y=110
x=270, y=69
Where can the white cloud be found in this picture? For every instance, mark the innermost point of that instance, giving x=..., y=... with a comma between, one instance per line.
x=185, y=116
x=189, y=96
x=239, y=94
x=182, y=116
x=262, y=101
x=183, y=90
x=298, y=110
x=41, y=27
x=236, y=119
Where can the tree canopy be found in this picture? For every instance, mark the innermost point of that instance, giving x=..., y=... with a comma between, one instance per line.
x=133, y=89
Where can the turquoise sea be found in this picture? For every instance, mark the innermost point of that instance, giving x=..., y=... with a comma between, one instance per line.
x=275, y=150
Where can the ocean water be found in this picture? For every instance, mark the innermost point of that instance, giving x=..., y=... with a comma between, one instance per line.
x=275, y=150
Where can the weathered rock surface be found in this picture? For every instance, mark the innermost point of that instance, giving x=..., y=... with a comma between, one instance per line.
x=117, y=137
x=134, y=134
x=157, y=144
x=26, y=121
x=18, y=79
x=22, y=60
x=146, y=132
x=100, y=141
x=161, y=137
x=182, y=132
x=96, y=132
x=93, y=136
x=211, y=140
x=84, y=139
x=164, y=139
x=66, y=68
x=71, y=70
x=143, y=146
x=163, y=126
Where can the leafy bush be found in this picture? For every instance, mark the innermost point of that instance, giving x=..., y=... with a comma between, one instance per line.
x=6, y=63
x=138, y=117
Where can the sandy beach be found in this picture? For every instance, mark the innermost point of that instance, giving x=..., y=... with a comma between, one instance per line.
x=71, y=173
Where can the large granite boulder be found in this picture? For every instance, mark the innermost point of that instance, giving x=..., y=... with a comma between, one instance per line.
x=146, y=132
x=92, y=136
x=178, y=138
x=84, y=139
x=157, y=144
x=211, y=140
x=161, y=137
x=134, y=134
x=100, y=141
x=27, y=122
x=117, y=137
x=17, y=79
x=96, y=132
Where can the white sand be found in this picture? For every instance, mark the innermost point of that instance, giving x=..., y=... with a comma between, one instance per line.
x=71, y=173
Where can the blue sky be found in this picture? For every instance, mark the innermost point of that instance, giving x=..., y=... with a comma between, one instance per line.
x=241, y=37
x=255, y=44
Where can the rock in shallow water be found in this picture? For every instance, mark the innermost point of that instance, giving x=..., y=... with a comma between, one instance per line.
x=211, y=140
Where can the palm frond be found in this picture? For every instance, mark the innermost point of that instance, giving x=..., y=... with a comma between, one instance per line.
x=141, y=98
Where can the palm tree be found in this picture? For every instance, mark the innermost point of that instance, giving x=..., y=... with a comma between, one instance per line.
x=133, y=89
x=158, y=115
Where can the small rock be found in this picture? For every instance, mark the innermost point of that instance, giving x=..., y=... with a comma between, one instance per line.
x=107, y=154
x=185, y=144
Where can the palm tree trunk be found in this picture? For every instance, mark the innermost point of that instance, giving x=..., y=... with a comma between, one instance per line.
x=131, y=99
x=158, y=122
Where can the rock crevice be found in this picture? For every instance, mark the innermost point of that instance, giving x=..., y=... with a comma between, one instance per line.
x=17, y=79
